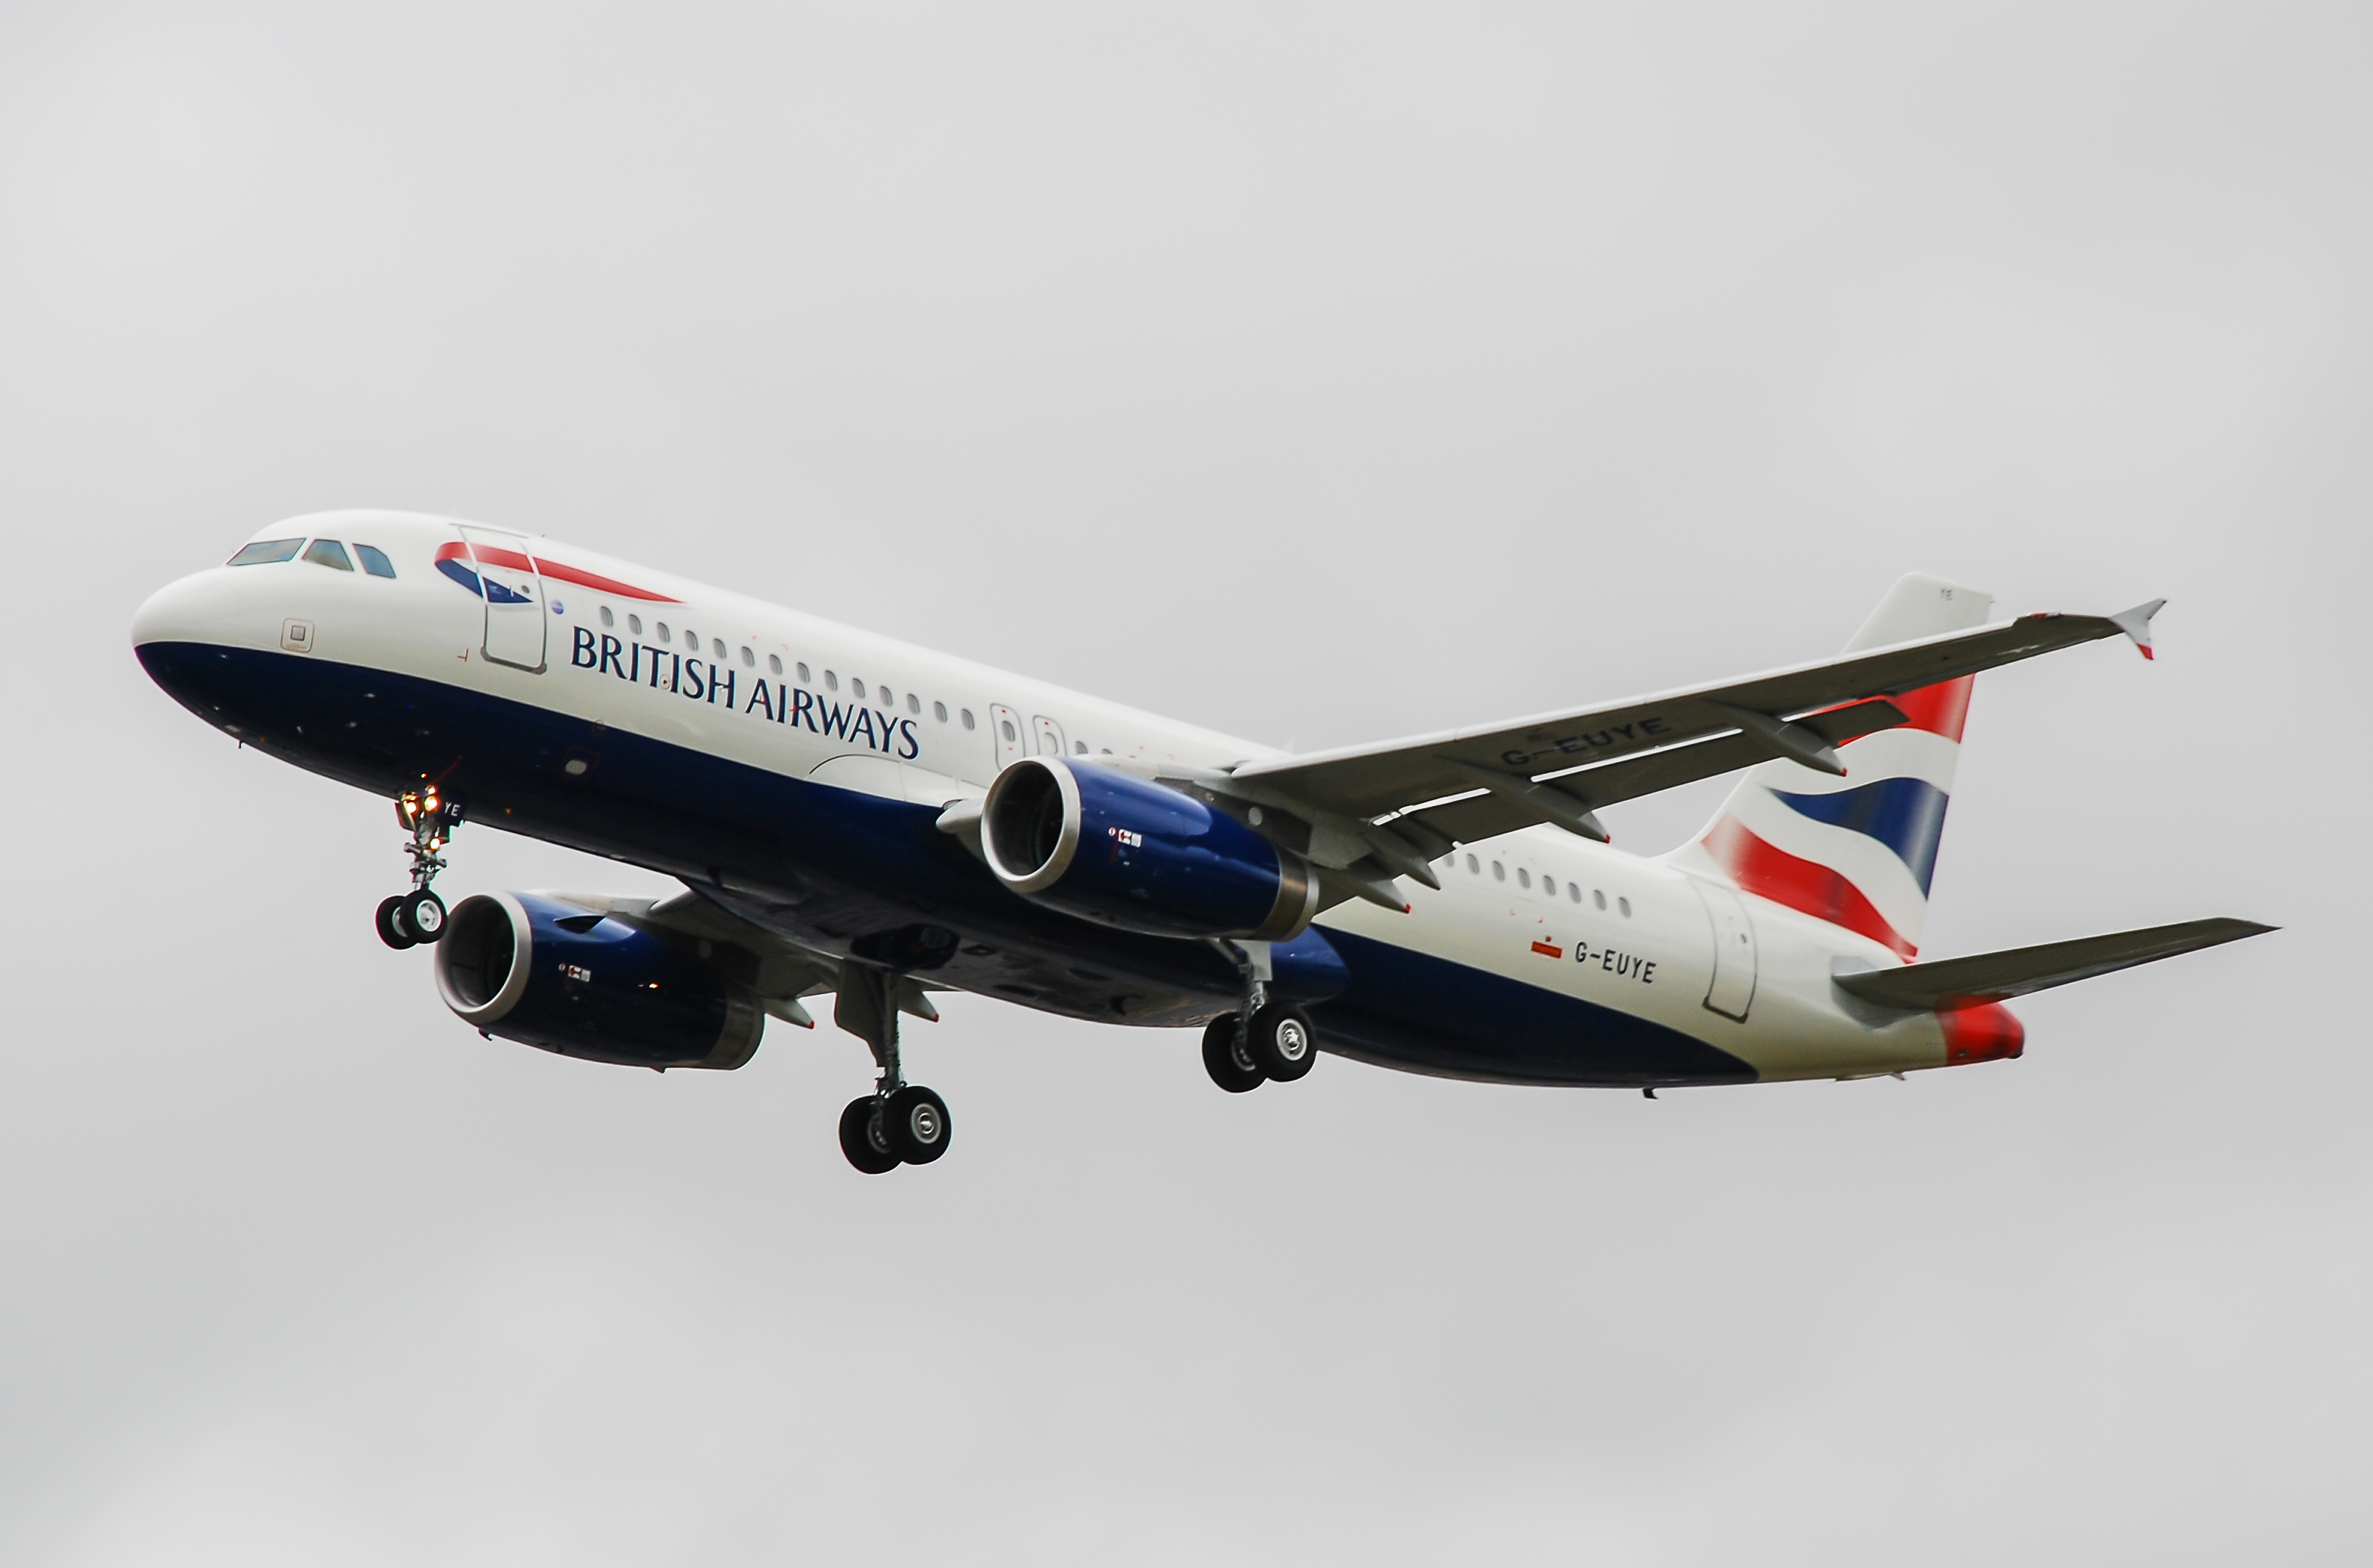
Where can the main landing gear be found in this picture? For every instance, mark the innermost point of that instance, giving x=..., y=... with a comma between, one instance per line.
x=408, y=919
x=900, y=1123
x=1264, y=1039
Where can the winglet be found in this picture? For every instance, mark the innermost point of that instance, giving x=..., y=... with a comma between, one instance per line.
x=2135, y=622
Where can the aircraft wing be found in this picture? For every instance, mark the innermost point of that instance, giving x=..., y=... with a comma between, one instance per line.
x=1404, y=802
x=779, y=971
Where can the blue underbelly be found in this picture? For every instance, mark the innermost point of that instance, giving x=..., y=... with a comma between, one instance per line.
x=847, y=873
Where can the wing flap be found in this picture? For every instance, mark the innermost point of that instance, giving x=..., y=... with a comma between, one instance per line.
x=1951, y=984
x=1491, y=814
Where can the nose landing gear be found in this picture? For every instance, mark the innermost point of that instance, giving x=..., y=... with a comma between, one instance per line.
x=408, y=919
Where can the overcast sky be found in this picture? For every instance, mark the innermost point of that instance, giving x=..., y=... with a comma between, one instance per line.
x=1319, y=375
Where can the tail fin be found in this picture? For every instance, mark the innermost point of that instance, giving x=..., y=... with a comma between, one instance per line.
x=1858, y=852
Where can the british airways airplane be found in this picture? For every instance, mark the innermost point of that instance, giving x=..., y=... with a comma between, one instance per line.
x=856, y=816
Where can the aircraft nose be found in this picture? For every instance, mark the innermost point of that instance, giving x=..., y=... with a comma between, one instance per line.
x=179, y=611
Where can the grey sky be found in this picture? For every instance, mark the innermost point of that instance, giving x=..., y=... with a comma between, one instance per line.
x=1316, y=374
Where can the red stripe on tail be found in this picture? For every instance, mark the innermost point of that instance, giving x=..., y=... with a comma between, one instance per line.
x=1770, y=872
x=1940, y=710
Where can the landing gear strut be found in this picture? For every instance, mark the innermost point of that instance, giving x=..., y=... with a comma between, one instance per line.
x=1264, y=1039
x=410, y=919
x=900, y=1123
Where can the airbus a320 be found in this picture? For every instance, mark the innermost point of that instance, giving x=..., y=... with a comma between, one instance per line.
x=859, y=818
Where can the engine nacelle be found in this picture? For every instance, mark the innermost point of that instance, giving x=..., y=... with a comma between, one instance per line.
x=547, y=974
x=1094, y=841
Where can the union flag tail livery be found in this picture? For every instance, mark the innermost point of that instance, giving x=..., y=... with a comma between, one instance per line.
x=1858, y=851
x=862, y=819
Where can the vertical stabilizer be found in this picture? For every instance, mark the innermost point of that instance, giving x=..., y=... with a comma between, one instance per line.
x=1858, y=852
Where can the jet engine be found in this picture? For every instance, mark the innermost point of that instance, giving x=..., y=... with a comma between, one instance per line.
x=544, y=972
x=1107, y=846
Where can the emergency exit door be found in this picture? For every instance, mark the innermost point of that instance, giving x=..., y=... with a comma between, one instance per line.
x=1005, y=727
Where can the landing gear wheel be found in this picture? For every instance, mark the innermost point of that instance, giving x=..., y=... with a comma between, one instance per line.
x=860, y=1136
x=420, y=915
x=914, y=1124
x=1230, y=1064
x=395, y=936
x=1281, y=1041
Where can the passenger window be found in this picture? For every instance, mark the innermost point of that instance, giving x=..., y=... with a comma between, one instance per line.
x=805, y=679
x=774, y=664
x=329, y=553
x=265, y=552
x=915, y=704
x=749, y=660
x=1007, y=725
x=635, y=625
x=1079, y=748
x=1498, y=871
x=1474, y=867
x=1598, y=899
x=1573, y=891
x=692, y=640
x=967, y=717
x=858, y=686
x=665, y=635
x=1549, y=886
x=886, y=697
x=375, y=560
x=1523, y=877
x=1624, y=905
x=716, y=647
x=940, y=712
x=607, y=619
x=831, y=681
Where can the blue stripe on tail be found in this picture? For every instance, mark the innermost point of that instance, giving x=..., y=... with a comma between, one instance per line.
x=1905, y=814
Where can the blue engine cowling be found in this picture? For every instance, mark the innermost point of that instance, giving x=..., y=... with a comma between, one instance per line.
x=548, y=974
x=1094, y=841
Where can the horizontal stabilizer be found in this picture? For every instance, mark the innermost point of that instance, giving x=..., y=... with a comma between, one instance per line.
x=1953, y=983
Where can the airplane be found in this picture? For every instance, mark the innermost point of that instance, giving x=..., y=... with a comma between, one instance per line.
x=856, y=816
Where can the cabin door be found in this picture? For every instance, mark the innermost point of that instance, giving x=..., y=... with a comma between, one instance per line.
x=1732, y=987
x=514, y=591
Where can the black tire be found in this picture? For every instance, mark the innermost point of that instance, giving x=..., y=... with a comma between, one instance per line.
x=1283, y=1042
x=1232, y=1066
x=421, y=916
x=395, y=936
x=860, y=1136
x=914, y=1124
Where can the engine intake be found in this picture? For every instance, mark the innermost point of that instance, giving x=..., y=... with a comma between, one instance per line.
x=547, y=974
x=1107, y=846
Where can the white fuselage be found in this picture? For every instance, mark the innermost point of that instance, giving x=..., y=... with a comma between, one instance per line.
x=648, y=654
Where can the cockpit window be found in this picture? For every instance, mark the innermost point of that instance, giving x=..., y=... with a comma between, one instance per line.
x=375, y=560
x=329, y=553
x=266, y=550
